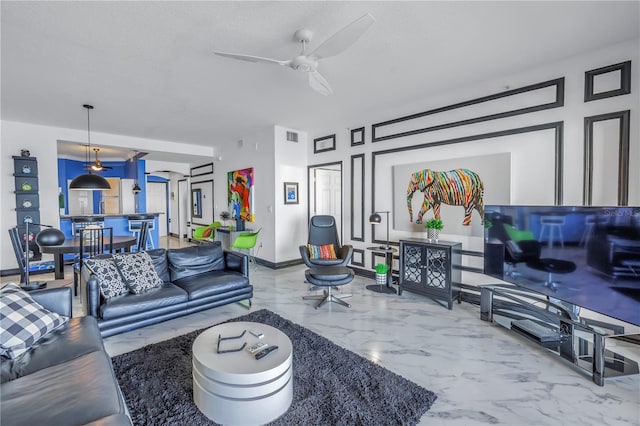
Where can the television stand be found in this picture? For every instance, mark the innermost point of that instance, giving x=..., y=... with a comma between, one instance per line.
x=580, y=342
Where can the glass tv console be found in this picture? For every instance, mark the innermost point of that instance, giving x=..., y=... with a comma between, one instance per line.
x=555, y=326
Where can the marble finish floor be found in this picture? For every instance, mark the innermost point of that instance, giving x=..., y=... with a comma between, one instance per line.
x=482, y=373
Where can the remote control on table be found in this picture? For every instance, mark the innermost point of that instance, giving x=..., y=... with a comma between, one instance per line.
x=266, y=352
x=257, y=347
x=257, y=333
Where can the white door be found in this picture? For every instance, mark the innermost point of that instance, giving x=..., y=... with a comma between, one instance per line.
x=327, y=193
x=157, y=203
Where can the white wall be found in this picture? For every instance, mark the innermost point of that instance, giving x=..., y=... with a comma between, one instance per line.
x=572, y=114
x=42, y=142
x=257, y=151
x=290, y=219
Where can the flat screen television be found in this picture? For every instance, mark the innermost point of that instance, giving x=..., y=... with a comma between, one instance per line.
x=588, y=257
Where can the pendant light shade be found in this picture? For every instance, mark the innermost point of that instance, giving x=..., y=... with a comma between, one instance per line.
x=89, y=181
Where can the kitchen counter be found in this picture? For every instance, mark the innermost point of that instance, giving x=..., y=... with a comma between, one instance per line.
x=66, y=216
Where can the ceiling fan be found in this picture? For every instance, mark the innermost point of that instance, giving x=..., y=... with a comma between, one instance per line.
x=97, y=164
x=308, y=61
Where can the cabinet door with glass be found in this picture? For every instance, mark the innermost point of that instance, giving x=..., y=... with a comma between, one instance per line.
x=430, y=268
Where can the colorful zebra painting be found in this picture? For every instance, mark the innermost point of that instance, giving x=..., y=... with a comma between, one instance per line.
x=459, y=187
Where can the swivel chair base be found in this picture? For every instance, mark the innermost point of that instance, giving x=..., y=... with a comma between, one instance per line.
x=330, y=278
x=328, y=296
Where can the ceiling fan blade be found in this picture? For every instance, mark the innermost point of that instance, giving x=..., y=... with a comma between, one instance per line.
x=319, y=83
x=251, y=58
x=344, y=38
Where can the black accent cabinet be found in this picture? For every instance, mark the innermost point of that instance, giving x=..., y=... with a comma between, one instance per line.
x=431, y=268
x=25, y=173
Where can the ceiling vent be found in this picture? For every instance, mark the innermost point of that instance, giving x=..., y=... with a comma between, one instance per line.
x=292, y=136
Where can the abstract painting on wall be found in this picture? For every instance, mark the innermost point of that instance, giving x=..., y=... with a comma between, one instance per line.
x=241, y=194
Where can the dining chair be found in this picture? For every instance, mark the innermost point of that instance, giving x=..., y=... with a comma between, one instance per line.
x=38, y=267
x=93, y=241
x=141, y=243
x=247, y=241
x=206, y=233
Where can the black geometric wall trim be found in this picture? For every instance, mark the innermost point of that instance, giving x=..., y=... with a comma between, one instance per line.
x=625, y=81
x=623, y=155
x=558, y=102
x=357, y=136
x=358, y=257
x=357, y=234
x=557, y=126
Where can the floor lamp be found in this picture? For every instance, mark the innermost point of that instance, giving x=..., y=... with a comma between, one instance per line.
x=376, y=219
x=47, y=237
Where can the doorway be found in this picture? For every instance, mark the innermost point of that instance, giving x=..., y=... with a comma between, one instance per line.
x=325, y=191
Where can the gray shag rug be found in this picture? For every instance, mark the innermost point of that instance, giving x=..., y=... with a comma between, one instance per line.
x=332, y=386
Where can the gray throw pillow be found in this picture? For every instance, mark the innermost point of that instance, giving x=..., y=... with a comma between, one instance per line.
x=109, y=279
x=24, y=321
x=138, y=271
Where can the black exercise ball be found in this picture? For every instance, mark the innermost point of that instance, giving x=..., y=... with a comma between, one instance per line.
x=50, y=237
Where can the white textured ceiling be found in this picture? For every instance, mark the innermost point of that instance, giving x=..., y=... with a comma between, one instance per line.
x=149, y=69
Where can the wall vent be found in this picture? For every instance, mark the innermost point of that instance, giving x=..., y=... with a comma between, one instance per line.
x=292, y=136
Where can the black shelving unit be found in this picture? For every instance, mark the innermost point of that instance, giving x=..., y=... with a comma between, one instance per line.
x=431, y=268
x=27, y=198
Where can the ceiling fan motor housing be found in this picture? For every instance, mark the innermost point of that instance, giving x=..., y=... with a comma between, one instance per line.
x=304, y=64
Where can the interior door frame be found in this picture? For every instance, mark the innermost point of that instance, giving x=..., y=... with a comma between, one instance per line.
x=310, y=181
x=183, y=217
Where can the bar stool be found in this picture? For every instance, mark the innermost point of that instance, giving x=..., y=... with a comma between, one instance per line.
x=78, y=223
x=553, y=225
x=135, y=225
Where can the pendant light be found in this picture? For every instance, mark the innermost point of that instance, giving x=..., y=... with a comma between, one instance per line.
x=89, y=181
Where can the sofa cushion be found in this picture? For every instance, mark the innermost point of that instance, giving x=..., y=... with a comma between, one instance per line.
x=78, y=337
x=78, y=391
x=109, y=278
x=24, y=321
x=160, y=263
x=137, y=271
x=207, y=284
x=187, y=261
x=166, y=295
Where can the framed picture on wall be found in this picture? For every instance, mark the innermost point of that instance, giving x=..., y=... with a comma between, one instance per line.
x=291, y=193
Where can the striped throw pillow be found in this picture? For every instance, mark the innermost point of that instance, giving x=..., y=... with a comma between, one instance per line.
x=322, y=252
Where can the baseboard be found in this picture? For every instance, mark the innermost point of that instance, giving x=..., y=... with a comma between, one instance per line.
x=279, y=265
x=16, y=271
x=7, y=272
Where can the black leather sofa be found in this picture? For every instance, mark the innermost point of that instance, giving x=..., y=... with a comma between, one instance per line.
x=66, y=378
x=195, y=278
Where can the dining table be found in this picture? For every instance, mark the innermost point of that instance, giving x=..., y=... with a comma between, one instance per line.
x=72, y=245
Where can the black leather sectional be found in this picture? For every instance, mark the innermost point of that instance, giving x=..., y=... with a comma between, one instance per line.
x=195, y=278
x=66, y=378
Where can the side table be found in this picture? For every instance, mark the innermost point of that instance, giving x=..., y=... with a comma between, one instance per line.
x=388, y=260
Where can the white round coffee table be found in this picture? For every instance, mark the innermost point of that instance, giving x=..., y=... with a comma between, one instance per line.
x=236, y=389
